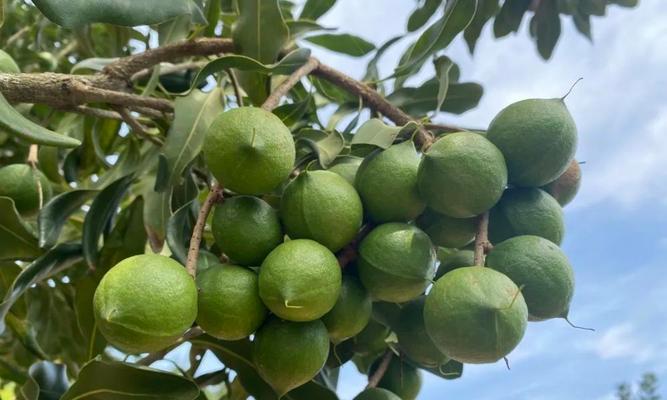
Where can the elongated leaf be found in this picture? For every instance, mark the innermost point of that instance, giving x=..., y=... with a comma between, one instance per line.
x=377, y=133
x=83, y=304
x=326, y=145
x=56, y=212
x=547, y=23
x=421, y=15
x=17, y=239
x=104, y=207
x=179, y=230
x=30, y=131
x=157, y=209
x=313, y=9
x=46, y=381
x=509, y=17
x=300, y=26
x=50, y=263
x=76, y=13
x=486, y=10
x=128, y=237
x=119, y=381
x=343, y=43
x=372, y=72
x=92, y=64
x=424, y=99
x=458, y=14
x=260, y=31
x=443, y=65
x=193, y=115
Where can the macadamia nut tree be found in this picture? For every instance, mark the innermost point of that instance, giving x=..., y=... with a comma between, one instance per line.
x=181, y=180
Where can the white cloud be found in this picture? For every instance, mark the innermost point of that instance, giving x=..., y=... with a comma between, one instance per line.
x=622, y=341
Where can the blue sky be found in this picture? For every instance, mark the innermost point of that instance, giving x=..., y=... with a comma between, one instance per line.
x=616, y=236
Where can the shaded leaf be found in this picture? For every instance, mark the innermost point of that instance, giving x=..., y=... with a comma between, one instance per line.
x=300, y=26
x=260, y=31
x=61, y=256
x=313, y=9
x=118, y=381
x=342, y=43
x=291, y=113
x=193, y=115
x=17, y=239
x=458, y=14
x=128, y=237
x=443, y=65
x=509, y=17
x=104, y=207
x=377, y=133
x=29, y=131
x=76, y=13
x=422, y=14
x=179, y=230
x=46, y=381
x=372, y=69
x=486, y=9
x=547, y=23
x=57, y=211
x=326, y=145
x=422, y=100
x=83, y=305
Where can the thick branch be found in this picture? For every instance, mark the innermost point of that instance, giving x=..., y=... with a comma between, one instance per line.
x=482, y=243
x=198, y=230
x=374, y=379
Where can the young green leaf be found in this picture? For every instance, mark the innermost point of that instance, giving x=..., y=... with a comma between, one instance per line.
x=422, y=14
x=343, y=43
x=18, y=240
x=377, y=133
x=314, y=9
x=326, y=145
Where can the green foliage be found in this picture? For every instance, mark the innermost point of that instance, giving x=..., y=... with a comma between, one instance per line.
x=645, y=389
x=124, y=188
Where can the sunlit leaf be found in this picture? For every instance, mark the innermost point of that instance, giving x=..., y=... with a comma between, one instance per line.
x=342, y=43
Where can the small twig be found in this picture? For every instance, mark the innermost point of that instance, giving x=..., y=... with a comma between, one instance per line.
x=170, y=69
x=159, y=355
x=18, y=35
x=274, y=98
x=96, y=112
x=482, y=244
x=236, y=86
x=374, y=379
x=71, y=46
x=33, y=160
x=448, y=128
x=148, y=111
x=137, y=127
x=349, y=253
x=198, y=231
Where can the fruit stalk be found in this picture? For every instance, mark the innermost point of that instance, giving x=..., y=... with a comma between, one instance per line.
x=33, y=159
x=195, y=241
x=482, y=243
x=376, y=377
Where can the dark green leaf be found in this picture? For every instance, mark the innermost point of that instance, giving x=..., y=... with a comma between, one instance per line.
x=119, y=381
x=377, y=133
x=56, y=212
x=291, y=113
x=422, y=14
x=458, y=14
x=326, y=145
x=312, y=390
x=593, y=7
x=192, y=116
x=77, y=13
x=343, y=43
x=451, y=370
x=547, y=23
x=174, y=30
x=46, y=381
x=128, y=237
x=285, y=66
x=300, y=26
x=443, y=65
x=260, y=31
x=372, y=72
x=18, y=240
x=83, y=304
x=30, y=131
x=420, y=101
x=583, y=24
x=486, y=9
x=104, y=207
x=58, y=258
x=157, y=210
x=179, y=230
x=313, y=9
x=509, y=17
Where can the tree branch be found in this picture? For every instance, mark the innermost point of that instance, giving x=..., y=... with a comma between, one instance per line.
x=198, y=231
x=482, y=244
x=137, y=127
x=274, y=99
x=349, y=253
x=374, y=379
x=159, y=355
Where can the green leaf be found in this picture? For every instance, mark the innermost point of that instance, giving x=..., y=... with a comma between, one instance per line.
x=119, y=381
x=458, y=14
x=326, y=145
x=46, y=381
x=18, y=240
x=314, y=9
x=372, y=72
x=192, y=116
x=30, y=131
x=593, y=7
x=486, y=9
x=56, y=213
x=83, y=305
x=104, y=207
x=422, y=14
x=157, y=210
x=300, y=26
x=509, y=17
x=77, y=13
x=260, y=31
x=179, y=230
x=288, y=64
x=343, y=43
x=128, y=237
x=547, y=23
x=583, y=24
x=312, y=390
x=451, y=370
x=422, y=100
x=291, y=113
x=377, y=133
x=58, y=258
x=443, y=65
x=96, y=64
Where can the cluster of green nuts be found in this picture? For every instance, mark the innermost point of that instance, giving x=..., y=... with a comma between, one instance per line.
x=284, y=287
